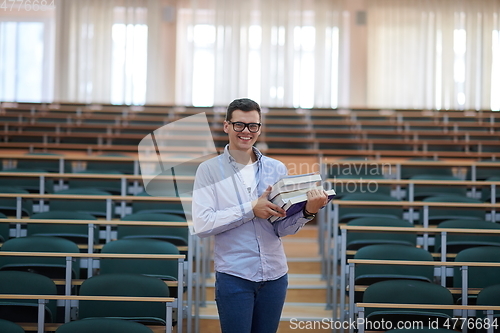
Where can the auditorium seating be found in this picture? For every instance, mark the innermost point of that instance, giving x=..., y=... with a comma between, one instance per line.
x=414, y=155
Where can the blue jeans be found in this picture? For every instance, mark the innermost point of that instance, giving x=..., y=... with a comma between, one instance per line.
x=249, y=307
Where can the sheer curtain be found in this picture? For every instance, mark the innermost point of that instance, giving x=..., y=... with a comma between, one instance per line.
x=280, y=52
x=433, y=54
x=102, y=51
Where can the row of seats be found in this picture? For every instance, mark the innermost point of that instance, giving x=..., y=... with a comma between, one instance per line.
x=113, y=284
x=478, y=277
x=96, y=208
x=94, y=325
x=79, y=232
x=454, y=242
x=419, y=292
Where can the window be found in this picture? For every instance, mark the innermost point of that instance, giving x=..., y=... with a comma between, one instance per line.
x=129, y=64
x=26, y=60
x=495, y=71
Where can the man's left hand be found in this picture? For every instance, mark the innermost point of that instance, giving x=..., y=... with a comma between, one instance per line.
x=316, y=199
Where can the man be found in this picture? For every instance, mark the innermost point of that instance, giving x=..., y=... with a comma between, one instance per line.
x=230, y=202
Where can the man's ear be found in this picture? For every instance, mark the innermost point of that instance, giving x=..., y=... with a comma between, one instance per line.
x=226, y=127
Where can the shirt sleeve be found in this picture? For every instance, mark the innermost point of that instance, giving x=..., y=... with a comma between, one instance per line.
x=213, y=205
x=290, y=225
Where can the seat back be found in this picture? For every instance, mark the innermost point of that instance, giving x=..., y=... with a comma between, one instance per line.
x=77, y=233
x=52, y=267
x=440, y=214
x=26, y=283
x=407, y=292
x=489, y=296
x=166, y=270
x=7, y=326
x=112, y=186
x=8, y=206
x=423, y=191
x=158, y=207
x=94, y=207
x=103, y=325
x=478, y=277
x=457, y=242
x=369, y=274
x=124, y=285
x=348, y=213
x=356, y=240
x=175, y=235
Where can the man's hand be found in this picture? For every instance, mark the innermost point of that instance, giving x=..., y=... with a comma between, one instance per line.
x=316, y=199
x=264, y=208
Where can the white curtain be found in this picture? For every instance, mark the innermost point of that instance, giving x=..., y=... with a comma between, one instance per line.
x=280, y=52
x=433, y=54
x=102, y=51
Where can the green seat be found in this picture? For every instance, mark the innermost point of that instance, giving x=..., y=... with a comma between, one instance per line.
x=77, y=233
x=113, y=186
x=490, y=296
x=115, y=284
x=165, y=270
x=347, y=187
x=103, y=325
x=457, y=242
x=483, y=173
x=26, y=283
x=369, y=274
x=343, y=168
x=486, y=190
x=175, y=235
x=347, y=213
x=407, y=292
x=48, y=165
x=356, y=240
x=7, y=326
x=157, y=206
x=4, y=229
x=439, y=214
x=478, y=277
x=408, y=171
x=8, y=206
x=424, y=191
x=126, y=167
x=91, y=206
x=30, y=184
x=52, y=267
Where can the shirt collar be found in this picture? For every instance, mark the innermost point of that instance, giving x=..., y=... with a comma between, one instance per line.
x=228, y=156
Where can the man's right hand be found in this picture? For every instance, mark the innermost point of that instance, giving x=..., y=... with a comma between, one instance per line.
x=264, y=208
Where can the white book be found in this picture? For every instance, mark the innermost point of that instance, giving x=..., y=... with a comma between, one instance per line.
x=294, y=183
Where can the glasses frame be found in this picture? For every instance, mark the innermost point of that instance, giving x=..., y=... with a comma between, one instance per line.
x=246, y=125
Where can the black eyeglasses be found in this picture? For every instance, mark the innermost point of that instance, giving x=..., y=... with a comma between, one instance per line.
x=239, y=126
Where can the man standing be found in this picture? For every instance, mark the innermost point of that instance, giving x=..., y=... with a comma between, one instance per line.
x=230, y=202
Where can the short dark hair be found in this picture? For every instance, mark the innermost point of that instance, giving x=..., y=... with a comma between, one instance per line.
x=243, y=104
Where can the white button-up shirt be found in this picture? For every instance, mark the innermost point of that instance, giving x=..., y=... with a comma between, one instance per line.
x=245, y=246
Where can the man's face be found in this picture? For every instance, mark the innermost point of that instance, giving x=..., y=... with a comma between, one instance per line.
x=244, y=140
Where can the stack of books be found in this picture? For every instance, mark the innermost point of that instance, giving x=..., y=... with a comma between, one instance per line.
x=290, y=192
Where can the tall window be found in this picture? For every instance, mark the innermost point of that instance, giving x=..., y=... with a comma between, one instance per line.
x=203, y=65
x=495, y=71
x=129, y=64
x=26, y=59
